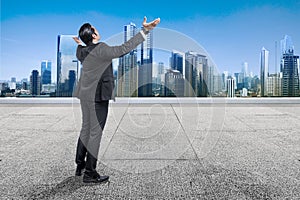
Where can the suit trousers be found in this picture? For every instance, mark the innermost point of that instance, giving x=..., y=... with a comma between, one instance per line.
x=94, y=115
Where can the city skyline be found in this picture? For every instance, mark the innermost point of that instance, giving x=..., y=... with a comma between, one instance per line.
x=223, y=33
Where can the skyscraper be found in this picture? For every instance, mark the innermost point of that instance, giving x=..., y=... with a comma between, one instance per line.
x=289, y=68
x=224, y=80
x=194, y=65
x=127, y=69
x=177, y=62
x=264, y=71
x=290, y=74
x=45, y=72
x=13, y=83
x=245, y=69
x=158, y=79
x=230, y=87
x=35, y=83
x=66, y=55
x=145, y=67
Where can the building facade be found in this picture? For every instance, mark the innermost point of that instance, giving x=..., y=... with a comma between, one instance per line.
x=174, y=84
x=177, y=62
x=46, y=72
x=195, y=84
x=35, y=83
x=67, y=64
x=264, y=71
x=145, y=67
x=290, y=74
x=289, y=68
x=231, y=87
x=127, y=69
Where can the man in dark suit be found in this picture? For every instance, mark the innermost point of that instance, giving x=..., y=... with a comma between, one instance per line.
x=95, y=89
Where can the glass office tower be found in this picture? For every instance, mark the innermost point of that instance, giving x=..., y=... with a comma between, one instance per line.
x=264, y=71
x=67, y=66
x=127, y=69
x=145, y=67
x=45, y=72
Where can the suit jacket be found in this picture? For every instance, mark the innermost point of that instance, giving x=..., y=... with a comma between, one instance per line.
x=96, y=81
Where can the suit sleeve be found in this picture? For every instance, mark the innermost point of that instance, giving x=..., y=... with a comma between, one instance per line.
x=111, y=52
x=78, y=53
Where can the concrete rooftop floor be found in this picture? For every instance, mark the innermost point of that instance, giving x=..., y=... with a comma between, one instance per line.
x=154, y=151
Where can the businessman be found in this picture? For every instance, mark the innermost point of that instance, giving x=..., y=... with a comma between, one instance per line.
x=95, y=89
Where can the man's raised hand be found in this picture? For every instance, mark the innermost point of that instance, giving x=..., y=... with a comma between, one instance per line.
x=150, y=25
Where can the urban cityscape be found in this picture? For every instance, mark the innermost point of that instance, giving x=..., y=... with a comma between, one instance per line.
x=187, y=74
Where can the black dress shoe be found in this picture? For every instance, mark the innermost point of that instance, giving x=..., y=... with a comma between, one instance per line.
x=94, y=178
x=79, y=170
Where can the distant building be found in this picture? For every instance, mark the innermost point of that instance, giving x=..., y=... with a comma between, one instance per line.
x=127, y=69
x=264, y=70
x=25, y=85
x=289, y=68
x=13, y=83
x=290, y=74
x=145, y=67
x=224, y=80
x=174, y=84
x=45, y=72
x=195, y=84
x=158, y=79
x=244, y=92
x=230, y=87
x=177, y=62
x=66, y=62
x=35, y=83
x=274, y=85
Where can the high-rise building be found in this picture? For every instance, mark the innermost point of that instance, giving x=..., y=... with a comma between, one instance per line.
x=161, y=68
x=194, y=77
x=264, y=71
x=245, y=76
x=230, y=87
x=66, y=62
x=24, y=83
x=13, y=83
x=127, y=69
x=245, y=69
x=274, y=86
x=35, y=83
x=158, y=79
x=177, y=62
x=174, y=84
x=224, y=80
x=46, y=72
x=145, y=67
x=290, y=74
x=289, y=68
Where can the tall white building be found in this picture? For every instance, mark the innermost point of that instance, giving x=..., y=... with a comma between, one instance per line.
x=264, y=71
x=274, y=84
x=230, y=87
x=245, y=69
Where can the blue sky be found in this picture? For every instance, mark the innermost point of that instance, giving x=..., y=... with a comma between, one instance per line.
x=232, y=32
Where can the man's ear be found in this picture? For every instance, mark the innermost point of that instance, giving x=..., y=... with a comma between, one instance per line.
x=94, y=35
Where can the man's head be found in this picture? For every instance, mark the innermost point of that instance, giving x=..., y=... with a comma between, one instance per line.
x=88, y=34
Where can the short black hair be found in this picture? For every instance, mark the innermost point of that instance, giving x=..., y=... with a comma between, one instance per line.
x=85, y=33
